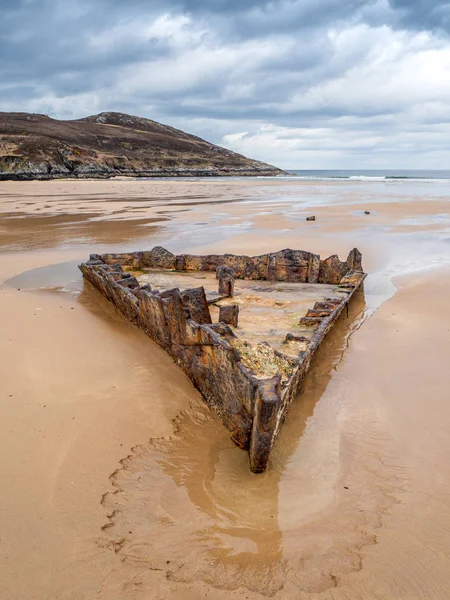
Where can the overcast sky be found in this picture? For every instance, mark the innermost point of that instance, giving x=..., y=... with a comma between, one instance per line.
x=298, y=83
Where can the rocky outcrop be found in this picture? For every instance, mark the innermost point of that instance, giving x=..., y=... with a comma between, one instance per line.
x=111, y=144
x=249, y=387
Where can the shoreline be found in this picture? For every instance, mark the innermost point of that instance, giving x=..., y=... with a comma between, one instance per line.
x=200, y=173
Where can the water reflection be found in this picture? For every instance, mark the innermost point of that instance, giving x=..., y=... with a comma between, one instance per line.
x=50, y=231
x=64, y=274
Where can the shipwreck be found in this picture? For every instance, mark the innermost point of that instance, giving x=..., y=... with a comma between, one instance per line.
x=243, y=329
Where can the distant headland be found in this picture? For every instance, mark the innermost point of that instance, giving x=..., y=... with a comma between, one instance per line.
x=110, y=144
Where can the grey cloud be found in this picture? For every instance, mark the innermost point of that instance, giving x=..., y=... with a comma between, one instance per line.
x=422, y=14
x=248, y=17
x=288, y=63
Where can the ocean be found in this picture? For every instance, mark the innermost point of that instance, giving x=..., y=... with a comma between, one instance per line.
x=372, y=174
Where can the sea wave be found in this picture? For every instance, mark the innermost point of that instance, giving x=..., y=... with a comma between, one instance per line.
x=367, y=178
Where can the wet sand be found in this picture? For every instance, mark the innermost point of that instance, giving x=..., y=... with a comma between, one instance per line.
x=118, y=483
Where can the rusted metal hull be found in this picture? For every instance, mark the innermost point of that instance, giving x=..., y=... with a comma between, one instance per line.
x=250, y=390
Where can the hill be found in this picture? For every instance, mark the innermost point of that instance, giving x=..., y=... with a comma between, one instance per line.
x=109, y=144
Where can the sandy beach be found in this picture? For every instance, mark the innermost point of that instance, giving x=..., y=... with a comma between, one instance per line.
x=118, y=483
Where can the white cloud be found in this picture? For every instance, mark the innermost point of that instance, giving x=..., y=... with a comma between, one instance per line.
x=334, y=93
x=175, y=29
